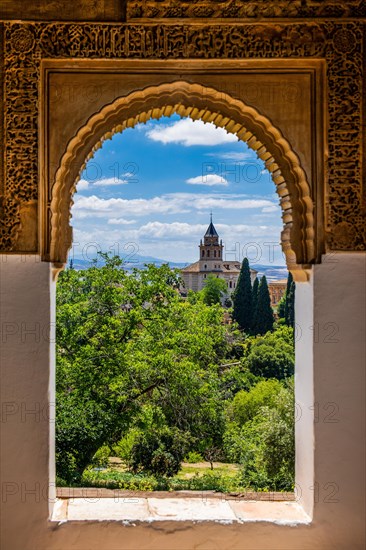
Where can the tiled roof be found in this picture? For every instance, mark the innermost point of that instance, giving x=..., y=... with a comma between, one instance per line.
x=193, y=268
x=226, y=267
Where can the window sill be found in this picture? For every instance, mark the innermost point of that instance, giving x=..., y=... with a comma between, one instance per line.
x=200, y=507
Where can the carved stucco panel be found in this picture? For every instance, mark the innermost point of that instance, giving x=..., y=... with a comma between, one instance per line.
x=339, y=43
x=246, y=9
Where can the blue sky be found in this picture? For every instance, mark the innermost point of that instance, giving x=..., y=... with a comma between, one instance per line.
x=151, y=190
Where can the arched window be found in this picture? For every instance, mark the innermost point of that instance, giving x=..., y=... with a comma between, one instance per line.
x=215, y=253
x=203, y=253
x=208, y=253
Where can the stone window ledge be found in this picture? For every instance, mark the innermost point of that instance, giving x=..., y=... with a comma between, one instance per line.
x=194, y=508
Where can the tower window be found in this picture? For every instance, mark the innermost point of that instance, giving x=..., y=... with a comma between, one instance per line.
x=215, y=253
x=231, y=284
x=208, y=253
x=203, y=253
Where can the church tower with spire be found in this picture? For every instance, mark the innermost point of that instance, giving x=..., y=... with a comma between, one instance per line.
x=211, y=250
x=212, y=262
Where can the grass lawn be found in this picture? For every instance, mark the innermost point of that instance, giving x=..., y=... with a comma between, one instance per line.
x=223, y=477
x=200, y=468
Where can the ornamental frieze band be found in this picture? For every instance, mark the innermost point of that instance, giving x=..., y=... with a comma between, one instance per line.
x=244, y=9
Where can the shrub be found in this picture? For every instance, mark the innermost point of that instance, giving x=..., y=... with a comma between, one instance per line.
x=101, y=456
x=268, y=446
x=160, y=451
x=246, y=404
x=210, y=481
x=119, y=480
x=193, y=457
x=271, y=355
x=123, y=449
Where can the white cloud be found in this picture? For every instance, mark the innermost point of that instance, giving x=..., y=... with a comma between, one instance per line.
x=120, y=221
x=109, y=181
x=272, y=208
x=235, y=204
x=174, y=203
x=208, y=179
x=177, y=230
x=82, y=185
x=234, y=155
x=86, y=207
x=190, y=132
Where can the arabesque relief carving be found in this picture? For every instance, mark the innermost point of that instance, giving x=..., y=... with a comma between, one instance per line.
x=340, y=43
x=246, y=9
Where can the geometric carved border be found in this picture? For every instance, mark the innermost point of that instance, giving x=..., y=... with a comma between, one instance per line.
x=209, y=105
x=168, y=9
x=339, y=43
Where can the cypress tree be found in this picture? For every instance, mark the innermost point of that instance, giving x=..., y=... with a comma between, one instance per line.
x=281, y=307
x=242, y=298
x=264, y=315
x=290, y=319
x=287, y=294
x=254, y=301
x=290, y=301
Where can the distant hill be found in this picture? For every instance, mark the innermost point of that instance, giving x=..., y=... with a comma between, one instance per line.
x=136, y=261
x=272, y=272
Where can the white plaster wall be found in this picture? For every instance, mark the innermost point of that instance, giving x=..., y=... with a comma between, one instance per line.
x=25, y=321
x=304, y=395
x=339, y=374
x=339, y=391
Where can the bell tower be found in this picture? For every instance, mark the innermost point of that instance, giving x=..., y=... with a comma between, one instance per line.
x=211, y=250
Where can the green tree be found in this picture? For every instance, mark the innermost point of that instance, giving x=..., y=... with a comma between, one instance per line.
x=156, y=447
x=289, y=301
x=282, y=307
x=128, y=340
x=242, y=298
x=264, y=314
x=290, y=306
x=246, y=404
x=262, y=439
x=213, y=291
x=271, y=355
x=254, y=302
x=268, y=456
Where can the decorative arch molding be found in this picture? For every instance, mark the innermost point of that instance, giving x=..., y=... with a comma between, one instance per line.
x=197, y=102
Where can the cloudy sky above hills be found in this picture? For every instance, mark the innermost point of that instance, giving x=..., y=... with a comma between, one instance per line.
x=151, y=189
